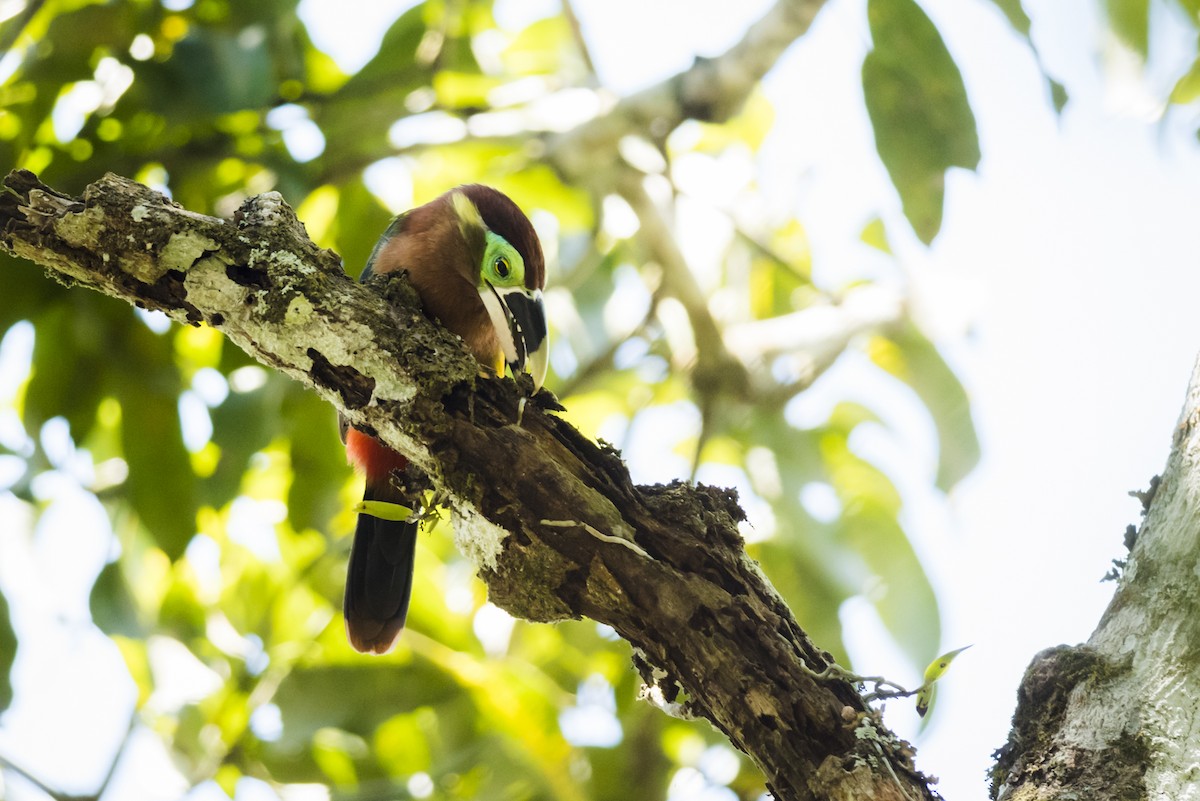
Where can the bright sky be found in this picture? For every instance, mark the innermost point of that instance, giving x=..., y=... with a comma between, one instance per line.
x=1062, y=289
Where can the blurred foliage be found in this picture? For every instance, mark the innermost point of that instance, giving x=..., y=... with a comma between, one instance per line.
x=225, y=483
x=1133, y=24
x=919, y=110
x=8, y=654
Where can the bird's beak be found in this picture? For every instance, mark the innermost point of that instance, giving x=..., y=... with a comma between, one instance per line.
x=519, y=317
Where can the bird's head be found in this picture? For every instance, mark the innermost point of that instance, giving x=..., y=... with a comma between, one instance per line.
x=509, y=272
x=477, y=264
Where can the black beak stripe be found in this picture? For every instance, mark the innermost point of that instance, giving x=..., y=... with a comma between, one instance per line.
x=527, y=321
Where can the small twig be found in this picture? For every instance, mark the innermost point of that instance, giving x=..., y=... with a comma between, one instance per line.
x=707, y=419
x=58, y=795
x=13, y=29
x=835, y=672
x=716, y=368
x=568, y=9
x=892, y=771
x=8, y=764
x=633, y=546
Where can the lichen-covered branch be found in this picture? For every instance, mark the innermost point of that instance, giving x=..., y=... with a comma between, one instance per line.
x=552, y=519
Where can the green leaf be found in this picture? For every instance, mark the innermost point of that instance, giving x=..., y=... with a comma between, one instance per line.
x=319, y=466
x=935, y=670
x=912, y=358
x=356, y=118
x=1016, y=15
x=8, y=654
x=237, y=75
x=1058, y=94
x=161, y=486
x=113, y=607
x=244, y=423
x=25, y=290
x=919, y=109
x=360, y=220
x=1130, y=21
x=902, y=595
x=383, y=510
x=68, y=365
x=1187, y=88
x=876, y=557
x=874, y=233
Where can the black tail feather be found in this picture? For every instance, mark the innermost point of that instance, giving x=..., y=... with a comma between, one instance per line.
x=379, y=581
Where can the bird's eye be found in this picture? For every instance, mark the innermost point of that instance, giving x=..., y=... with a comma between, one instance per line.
x=502, y=268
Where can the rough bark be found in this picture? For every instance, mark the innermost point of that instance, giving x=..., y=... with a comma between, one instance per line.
x=552, y=520
x=1117, y=718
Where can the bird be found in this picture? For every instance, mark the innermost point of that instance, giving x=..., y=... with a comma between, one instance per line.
x=477, y=265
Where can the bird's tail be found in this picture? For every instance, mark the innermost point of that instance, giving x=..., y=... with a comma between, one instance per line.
x=379, y=579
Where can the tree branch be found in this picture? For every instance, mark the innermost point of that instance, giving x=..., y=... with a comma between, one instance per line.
x=552, y=520
x=711, y=90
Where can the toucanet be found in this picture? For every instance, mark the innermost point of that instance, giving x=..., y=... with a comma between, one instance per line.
x=477, y=265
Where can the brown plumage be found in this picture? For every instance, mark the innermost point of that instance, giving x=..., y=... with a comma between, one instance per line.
x=443, y=257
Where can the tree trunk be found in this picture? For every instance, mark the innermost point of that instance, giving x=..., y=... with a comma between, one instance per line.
x=1118, y=718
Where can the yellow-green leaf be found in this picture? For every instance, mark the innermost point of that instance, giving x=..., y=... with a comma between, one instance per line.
x=383, y=510
x=1130, y=21
x=936, y=669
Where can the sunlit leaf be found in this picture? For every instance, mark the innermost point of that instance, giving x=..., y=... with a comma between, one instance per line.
x=356, y=697
x=539, y=48
x=912, y=358
x=401, y=744
x=332, y=750
x=244, y=424
x=875, y=234
x=1130, y=21
x=897, y=585
x=919, y=110
x=1187, y=88
x=133, y=651
x=935, y=670
x=227, y=778
x=749, y=127
x=463, y=90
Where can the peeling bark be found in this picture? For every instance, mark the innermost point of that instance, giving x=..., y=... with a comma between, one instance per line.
x=553, y=521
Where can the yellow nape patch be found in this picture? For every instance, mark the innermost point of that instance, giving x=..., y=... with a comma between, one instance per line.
x=468, y=215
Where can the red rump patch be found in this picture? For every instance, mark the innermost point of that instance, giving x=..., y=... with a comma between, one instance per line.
x=371, y=456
